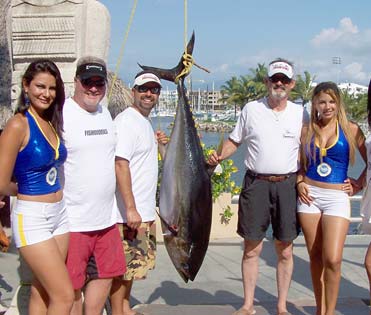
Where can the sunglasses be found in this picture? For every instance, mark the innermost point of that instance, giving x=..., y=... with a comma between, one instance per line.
x=144, y=89
x=283, y=79
x=90, y=83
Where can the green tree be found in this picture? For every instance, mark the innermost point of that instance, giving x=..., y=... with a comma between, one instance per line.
x=355, y=106
x=303, y=88
x=232, y=93
x=246, y=88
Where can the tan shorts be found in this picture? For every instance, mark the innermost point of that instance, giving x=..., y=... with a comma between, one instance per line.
x=139, y=248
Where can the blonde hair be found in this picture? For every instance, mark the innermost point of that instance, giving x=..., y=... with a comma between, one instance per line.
x=313, y=134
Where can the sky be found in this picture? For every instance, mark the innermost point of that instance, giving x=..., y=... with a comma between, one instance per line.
x=331, y=39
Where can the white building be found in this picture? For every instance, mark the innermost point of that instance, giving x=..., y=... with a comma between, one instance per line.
x=353, y=88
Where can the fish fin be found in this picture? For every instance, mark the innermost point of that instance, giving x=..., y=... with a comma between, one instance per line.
x=220, y=144
x=173, y=230
x=211, y=169
x=171, y=74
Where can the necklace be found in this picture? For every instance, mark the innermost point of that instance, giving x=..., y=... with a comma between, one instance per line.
x=277, y=114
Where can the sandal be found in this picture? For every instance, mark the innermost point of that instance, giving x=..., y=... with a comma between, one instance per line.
x=4, y=242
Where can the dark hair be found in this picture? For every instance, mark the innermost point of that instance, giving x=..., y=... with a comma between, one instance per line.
x=55, y=111
x=369, y=105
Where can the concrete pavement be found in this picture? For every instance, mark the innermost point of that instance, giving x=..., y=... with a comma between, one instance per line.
x=217, y=288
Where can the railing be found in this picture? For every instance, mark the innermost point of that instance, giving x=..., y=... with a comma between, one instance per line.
x=356, y=198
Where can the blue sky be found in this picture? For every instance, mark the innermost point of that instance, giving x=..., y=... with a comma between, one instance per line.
x=234, y=36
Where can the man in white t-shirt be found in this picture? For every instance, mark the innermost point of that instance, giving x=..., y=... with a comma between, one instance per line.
x=136, y=173
x=89, y=188
x=271, y=128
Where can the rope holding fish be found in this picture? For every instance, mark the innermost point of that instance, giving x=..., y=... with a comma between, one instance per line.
x=188, y=63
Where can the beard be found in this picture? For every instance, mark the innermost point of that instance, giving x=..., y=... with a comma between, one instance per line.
x=279, y=94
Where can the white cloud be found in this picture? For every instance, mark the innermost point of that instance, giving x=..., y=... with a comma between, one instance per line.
x=345, y=31
x=222, y=68
x=354, y=72
x=351, y=44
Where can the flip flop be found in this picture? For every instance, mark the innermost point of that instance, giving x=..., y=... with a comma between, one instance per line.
x=243, y=311
x=4, y=242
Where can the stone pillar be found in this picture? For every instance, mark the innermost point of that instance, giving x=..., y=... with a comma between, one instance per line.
x=61, y=30
x=5, y=63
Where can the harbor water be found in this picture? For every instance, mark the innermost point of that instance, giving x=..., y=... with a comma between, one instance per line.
x=213, y=139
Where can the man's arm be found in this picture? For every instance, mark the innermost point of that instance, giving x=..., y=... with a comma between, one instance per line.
x=162, y=140
x=123, y=177
x=229, y=147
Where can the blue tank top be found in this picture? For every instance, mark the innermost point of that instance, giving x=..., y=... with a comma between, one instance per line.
x=36, y=166
x=335, y=161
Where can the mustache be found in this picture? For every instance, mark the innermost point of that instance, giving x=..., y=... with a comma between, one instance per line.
x=281, y=86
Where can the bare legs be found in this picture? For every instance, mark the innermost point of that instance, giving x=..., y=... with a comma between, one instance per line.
x=120, y=297
x=51, y=291
x=95, y=295
x=285, y=267
x=250, y=269
x=250, y=266
x=312, y=230
x=368, y=266
x=325, y=237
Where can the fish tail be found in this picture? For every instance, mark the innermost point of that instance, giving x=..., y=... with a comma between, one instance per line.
x=177, y=72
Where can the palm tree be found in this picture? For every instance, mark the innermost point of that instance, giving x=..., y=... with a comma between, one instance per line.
x=232, y=91
x=355, y=106
x=303, y=88
x=260, y=73
x=239, y=91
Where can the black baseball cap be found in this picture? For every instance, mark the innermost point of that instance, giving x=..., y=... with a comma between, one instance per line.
x=88, y=67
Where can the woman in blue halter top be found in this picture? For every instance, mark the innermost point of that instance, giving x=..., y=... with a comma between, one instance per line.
x=31, y=152
x=328, y=144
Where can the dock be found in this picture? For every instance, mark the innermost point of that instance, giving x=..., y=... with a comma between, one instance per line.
x=217, y=288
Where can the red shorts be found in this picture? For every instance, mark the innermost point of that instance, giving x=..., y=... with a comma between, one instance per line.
x=106, y=248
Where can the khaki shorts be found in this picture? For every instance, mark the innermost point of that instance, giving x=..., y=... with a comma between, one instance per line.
x=139, y=248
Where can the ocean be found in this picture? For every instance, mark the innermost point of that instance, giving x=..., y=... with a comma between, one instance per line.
x=213, y=138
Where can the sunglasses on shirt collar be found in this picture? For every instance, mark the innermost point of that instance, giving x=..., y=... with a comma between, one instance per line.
x=90, y=82
x=145, y=89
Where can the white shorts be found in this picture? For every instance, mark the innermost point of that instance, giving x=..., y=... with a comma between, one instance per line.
x=34, y=222
x=327, y=201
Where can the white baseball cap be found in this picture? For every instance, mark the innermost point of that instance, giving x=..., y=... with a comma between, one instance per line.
x=281, y=67
x=143, y=78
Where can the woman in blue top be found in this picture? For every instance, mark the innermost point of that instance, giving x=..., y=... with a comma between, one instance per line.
x=329, y=143
x=32, y=150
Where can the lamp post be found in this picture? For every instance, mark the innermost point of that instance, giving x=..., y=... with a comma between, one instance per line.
x=337, y=61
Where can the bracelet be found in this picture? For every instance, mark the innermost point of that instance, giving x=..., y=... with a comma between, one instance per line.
x=299, y=182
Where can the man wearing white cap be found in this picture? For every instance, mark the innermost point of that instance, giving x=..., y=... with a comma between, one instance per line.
x=271, y=128
x=136, y=173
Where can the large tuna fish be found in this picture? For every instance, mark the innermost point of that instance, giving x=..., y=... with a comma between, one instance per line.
x=185, y=191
